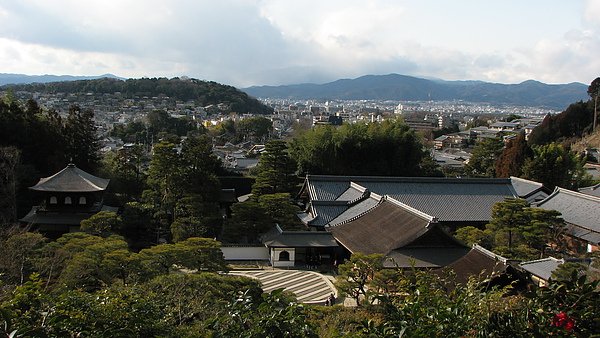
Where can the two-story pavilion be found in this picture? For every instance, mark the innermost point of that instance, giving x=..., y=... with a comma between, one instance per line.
x=67, y=198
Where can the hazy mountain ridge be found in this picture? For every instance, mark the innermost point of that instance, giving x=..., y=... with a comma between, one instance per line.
x=6, y=78
x=402, y=87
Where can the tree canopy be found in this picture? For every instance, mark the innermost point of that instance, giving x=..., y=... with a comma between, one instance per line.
x=554, y=165
x=389, y=148
x=517, y=230
x=483, y=159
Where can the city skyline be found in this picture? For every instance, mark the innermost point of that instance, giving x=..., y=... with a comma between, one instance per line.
x=267, y=42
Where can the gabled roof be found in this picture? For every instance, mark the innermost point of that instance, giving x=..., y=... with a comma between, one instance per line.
x=529, y=190
x=542, y=268
x=71, y=179
x=581, y=212
x=355, y=210
x=448, y=199
x=524, y=187
x=478, y=262
x=388, y=226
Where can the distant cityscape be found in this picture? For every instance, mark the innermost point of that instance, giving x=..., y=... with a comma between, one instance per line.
x=451, y=150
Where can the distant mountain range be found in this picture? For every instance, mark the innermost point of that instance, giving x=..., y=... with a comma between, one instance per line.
x=25, y=79
x=408, y=88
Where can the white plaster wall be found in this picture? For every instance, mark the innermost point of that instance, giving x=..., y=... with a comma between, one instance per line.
x=240, y=253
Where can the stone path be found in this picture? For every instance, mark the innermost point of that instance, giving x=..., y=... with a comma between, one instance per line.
x=308, y=286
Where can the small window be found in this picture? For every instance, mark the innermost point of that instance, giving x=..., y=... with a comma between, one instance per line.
x=284, y=256
x=82, y=200
x=53, y=200
x=68, y=200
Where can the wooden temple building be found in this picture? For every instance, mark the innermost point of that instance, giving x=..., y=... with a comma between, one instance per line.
x=67, y=198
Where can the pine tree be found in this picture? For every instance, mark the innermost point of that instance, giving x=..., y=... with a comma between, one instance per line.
x=276, y=170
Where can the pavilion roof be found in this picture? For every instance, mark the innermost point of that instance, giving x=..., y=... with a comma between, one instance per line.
x=71, y=179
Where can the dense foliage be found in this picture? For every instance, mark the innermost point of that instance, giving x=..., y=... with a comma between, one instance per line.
x=46, y=140
x=37, y=143
x=389, y=148
x=483, y=159
x=553, y=165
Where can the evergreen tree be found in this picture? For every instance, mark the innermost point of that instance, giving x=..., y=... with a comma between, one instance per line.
x=520, y=231
x=553, y=165
x=82, y=143
x=281, y=208
x=276, y=170
x=9, y=161
x=248, y=220
x=195, y=217
x=483, y=159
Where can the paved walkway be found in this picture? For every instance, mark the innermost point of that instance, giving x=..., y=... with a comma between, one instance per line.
x=308, y=286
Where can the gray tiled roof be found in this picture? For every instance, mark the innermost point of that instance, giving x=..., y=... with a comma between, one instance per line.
x=325, y=213
x=448, y=199
x=542, y=267
x=35, y=216
x=593, y=190
x=356, y=210
x=38, y=216
x=525, y=187
x=302, y=239
x=71, y=179
x=351, y=194
x=327, y=188
x=580, y=211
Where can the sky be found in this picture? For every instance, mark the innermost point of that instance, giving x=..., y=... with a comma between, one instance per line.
x=274, y=42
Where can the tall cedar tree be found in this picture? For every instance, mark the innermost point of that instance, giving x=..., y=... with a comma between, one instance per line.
x=594, y=91
x=511, y=161
x=276, y=170
x=82, y=143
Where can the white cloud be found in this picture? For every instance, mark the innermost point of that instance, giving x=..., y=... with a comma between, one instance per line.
x=592, y=12
x=246, y=42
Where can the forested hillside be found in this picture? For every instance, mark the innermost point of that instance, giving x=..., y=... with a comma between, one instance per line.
x=204, y=93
